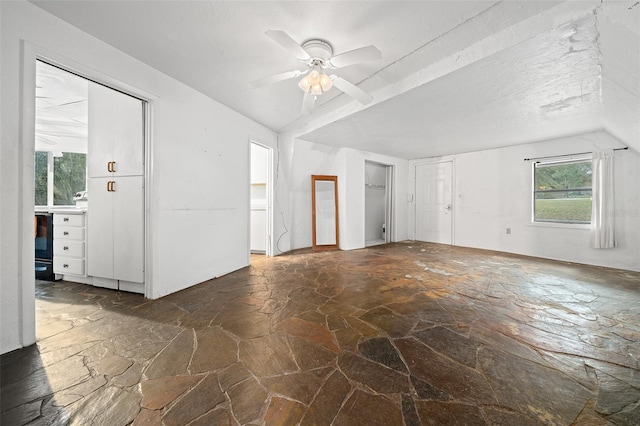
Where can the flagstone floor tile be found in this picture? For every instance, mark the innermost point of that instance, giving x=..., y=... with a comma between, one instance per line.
x=401, y=334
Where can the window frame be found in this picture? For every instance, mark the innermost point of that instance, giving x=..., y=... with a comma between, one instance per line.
x=550, y=162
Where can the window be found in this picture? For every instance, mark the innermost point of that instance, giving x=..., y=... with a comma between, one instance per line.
x=58, y=176
x=562, y=191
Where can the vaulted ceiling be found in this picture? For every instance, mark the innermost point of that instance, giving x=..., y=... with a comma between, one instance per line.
x=454, y=76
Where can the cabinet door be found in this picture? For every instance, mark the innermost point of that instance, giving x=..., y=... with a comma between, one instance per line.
x=116, y=133
x=128, y=229
x=100, y=229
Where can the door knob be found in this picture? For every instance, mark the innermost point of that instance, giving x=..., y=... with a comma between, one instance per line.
x=449, y=207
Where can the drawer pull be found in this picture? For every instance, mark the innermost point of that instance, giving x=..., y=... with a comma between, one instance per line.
x=66, y=266
x=66, y=219
x=65, y=233
x=65, y=248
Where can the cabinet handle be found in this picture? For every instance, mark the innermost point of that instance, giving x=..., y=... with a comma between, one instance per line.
x=66, y=219
x=65, y=265
x=113, y=166
x=109, y=166
x=65, y=233
x=65, y=248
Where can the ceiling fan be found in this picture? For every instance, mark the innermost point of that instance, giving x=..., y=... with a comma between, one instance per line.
x=318, y=56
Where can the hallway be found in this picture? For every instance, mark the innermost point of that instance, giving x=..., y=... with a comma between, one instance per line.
x=408, y=333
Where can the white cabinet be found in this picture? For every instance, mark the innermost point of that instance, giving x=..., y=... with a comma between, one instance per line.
x=116, y=189
x=116, y=228
x=116, y=133
x=69, y=243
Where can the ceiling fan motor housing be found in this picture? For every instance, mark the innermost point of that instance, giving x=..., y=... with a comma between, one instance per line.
x=320, y=52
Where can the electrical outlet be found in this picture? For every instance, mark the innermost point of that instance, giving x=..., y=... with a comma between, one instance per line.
x=508, y=231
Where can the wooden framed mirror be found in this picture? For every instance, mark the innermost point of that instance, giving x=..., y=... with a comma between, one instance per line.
x=324, y=208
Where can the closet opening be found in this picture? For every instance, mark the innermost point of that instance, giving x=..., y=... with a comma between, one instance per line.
x=261, y=196
x=378, y=201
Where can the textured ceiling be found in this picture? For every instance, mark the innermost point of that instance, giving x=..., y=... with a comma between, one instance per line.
x=61, y=110
x=454, y=76
x=541, y=88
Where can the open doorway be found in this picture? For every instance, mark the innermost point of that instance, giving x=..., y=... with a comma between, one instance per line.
x=260, y=219
x=60, y=166
x=88, y=182
x=378, y=201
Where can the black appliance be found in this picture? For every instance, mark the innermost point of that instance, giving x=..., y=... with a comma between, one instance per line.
x=43, y=231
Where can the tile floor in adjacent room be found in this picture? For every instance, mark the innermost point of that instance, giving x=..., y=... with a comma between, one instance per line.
x=407, y=333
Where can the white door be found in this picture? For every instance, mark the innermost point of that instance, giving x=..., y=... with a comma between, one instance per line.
x=434, y=204
x=116, y=228
x=116, y=133
x=100, y=236
x=128, y=229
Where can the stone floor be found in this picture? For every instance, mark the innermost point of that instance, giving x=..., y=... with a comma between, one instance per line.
x=408, y=333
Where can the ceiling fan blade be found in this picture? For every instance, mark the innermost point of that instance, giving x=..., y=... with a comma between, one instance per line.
x=351, y=90
x=284, y=40
x=276, y=78
x=308, y=103
x=363, y=54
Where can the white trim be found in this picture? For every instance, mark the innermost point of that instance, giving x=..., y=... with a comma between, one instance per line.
x=26, y=199
x=577, y=226
x=148, y=184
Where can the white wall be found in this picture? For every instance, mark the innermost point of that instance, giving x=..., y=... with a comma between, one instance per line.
x=198, y=198
x=299, y=160
x=492, y=192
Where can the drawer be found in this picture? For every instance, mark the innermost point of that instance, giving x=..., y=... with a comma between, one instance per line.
x=68, y=248
x=67, y=265
x=68, y=233
x=68, y=219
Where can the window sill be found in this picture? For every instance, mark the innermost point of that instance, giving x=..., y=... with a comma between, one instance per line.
x=579, y=226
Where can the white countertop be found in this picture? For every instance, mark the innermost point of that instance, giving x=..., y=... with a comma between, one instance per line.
x=62, y=209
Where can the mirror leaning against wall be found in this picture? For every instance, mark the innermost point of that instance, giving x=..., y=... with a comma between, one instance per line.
x=324, y=208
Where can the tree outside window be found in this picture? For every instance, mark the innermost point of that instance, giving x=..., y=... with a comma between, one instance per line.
x=69, y=174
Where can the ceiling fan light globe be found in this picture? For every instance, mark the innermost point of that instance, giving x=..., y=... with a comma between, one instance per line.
x=316, y=89
x=314, y=77
x=325, y=82
x=304, y=84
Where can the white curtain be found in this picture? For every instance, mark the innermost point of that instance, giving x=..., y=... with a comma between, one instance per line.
x=602, y=209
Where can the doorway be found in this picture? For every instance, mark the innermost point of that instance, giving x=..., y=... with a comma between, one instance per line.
x=260, y=216
x=377, y=202
x=89, y=162
x=434, y=202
